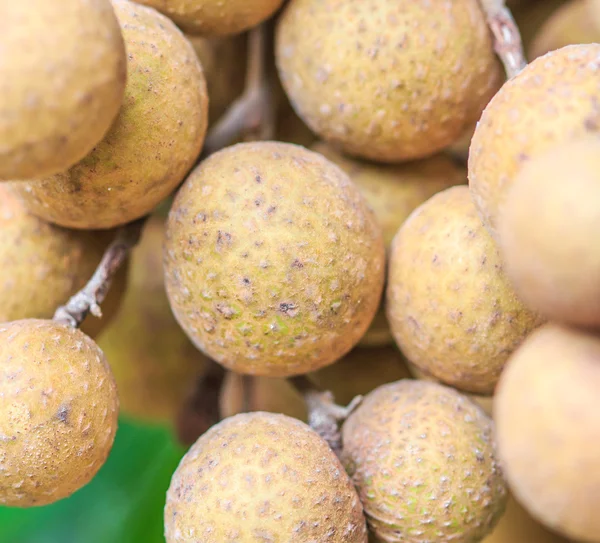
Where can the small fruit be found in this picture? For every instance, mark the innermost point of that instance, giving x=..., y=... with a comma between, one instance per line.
x=62, y=79
x=553, y=100
x=262, y=477
x=151, y=146
x=44, y=265
x=58, y=411
x=452, y=310
x=547, y=230
x=423, y=459
x=274, y=262
x=216, y=17
x=387, y=80
x=153, y=361
x=547, y=411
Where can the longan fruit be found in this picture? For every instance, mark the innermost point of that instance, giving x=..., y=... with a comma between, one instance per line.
x=547, y=412
x=451, y=308
x=274, y=262
x=151, y=146
x=58, y=411
x=553, y=100
x=387, y=80
x=62, y=80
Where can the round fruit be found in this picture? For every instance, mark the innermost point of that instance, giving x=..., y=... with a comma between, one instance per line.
x=152, y=144
x=44, y=265
x=423, y=460
x=547, y=230
x=388, y=80
x=274, y=262
x=58, y=411
x=262, y=477
x=452, y=310
x=547, y=412
x=62, y=78
x=553, y=100
x=216, y=17
x=271, y=394
x=153, y=361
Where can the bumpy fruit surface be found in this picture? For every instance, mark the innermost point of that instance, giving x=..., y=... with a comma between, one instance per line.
x=44, y=265
x=58, y=411
x=547, y=232
x=274, y=262
x=62, y=78
x=262, y=477
x=547, y=411
x=152, y=144
x=452, y=310
x=423, y=459
x=216, y=17
x=153, y=361
x=388, y=80
x=553, y=100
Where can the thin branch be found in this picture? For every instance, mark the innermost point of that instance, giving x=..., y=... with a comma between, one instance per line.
x=88, y=299
x=507, y=38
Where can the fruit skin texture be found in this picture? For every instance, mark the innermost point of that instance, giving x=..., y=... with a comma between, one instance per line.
x=423, y=459
x=262, y=477
x=551, y=255
x=547, y=412
x=389, y=80
x=44, y=265
x=452, y=310
x=62, y=83
x=58, y=411
x=153, y=361
x=553, y=100
x=152, y=144
x=274, y=262
x=216, y=17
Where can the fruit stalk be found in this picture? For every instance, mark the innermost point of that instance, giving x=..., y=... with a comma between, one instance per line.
x=88, y=299
x=507, y=38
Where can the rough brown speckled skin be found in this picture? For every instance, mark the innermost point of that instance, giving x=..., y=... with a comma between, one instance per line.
x=262, y=477
x=62, y=84
x=274, y=262
x=216, y=17
x=452, y=310
x=547, y=412
x=423, y=459
x=58, y=411
x=388, y=80
x=152, y=144
x=42, y=266
x=553, y=100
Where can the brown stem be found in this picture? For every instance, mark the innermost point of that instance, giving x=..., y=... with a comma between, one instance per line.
x=88, y=299
x=507, y=38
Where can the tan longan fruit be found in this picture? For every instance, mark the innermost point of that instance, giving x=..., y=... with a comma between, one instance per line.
x=423, y=459
x=58, y=411
x=62, y=79
x=547, y=412
x=44, y=265
x=547, y=232
x=262, y=477
x=274, y=261
x=452, y=310
x=553, y=100
x=387, y=80
x=153, y=361
x=152, y=145
x=216, y=17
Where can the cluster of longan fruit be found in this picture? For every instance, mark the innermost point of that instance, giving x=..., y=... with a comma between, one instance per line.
x=413, y=232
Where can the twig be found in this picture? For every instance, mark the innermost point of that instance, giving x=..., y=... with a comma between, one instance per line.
x=507, y=38
x=88, y=299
